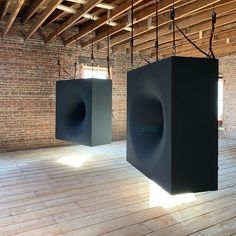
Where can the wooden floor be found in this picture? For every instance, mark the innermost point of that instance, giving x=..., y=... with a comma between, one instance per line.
x=94, y=191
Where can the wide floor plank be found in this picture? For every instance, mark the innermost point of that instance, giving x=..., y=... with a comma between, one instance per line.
x=82, y=191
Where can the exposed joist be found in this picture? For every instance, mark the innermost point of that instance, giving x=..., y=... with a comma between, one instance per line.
x=73, y=19
x=13, y=16
x=4, y=8
x=57, y=14
x=87, y=15
x=219, y=48
x=186, y=22
x=195, y=23
x=115, y=13
x=108, y=6
x=184, y=47
x=50, y=8
x=32, y=9
x=66, y=9
x=165, y=19
x=138, y=16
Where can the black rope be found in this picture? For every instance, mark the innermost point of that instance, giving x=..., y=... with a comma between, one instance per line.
x=132, y=35
x=108, y=50
x=144, y=59
x=172, y=17
x=213, y=21
x=186, y=37
x=75, y=65
x=157, y=36
x=58, y=63
x=61, y=67
x=92, y=53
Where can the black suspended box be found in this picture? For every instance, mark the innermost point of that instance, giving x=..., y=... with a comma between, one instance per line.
x=84, y=111
x=172, y=123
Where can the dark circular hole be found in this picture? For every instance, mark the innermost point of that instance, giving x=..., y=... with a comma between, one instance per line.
x=76, y=118
x=146, y=126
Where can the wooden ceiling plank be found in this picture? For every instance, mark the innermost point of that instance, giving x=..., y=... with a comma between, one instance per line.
x=4, y=8
x=190, y=20
x=104, y=20
x=194, y=24
x=73, y=19
x=13, y=16
x=184, y=46
x=138, y=16
x=165, y=18
x=32, y=9
x=57, y=14
x=44, y=15
x=107, y=6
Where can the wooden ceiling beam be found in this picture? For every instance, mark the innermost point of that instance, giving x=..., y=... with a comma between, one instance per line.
x=32, y=9
x=201, y=22
x=73, y=19
x=57, y=14
x=4, y=8
x=138, y=16
x=107, y=6
x=115, y=13
x=165, y=18
x=87, y=15
x=188, y=21
x=44, y=15
x=13, y=16
x=219, y=46
x=184, y=46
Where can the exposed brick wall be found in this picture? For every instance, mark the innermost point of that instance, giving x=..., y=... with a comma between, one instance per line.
x=228, y=70
x=28, y=72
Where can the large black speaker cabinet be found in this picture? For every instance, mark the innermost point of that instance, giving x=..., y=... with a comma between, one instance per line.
x=172, y=123
x=84, y=111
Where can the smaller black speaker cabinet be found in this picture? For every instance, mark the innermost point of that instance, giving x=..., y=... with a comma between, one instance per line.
x=172, y=123
x=84, y=111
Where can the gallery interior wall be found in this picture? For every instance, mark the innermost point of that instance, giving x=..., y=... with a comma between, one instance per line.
x=28, y=72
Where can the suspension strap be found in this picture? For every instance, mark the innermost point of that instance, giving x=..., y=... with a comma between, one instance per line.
x=58, y=63
x=172, y=17
x=108, y=51
x=189, y=40
x=75, y=65
x=132, y=35
x=63, y=69
x=92, y=53
x=108, y=47
x=213, y=22
x=157, y=36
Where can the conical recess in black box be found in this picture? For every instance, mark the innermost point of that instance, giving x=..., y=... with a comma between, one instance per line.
x=84, y=111
x=172, y=123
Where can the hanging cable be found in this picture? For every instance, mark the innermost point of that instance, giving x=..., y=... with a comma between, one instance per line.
x=60, y=67
x=186, y=37
x=132, y=34
x=75, y=68
x=108, y=47
x=157, y=36
x=58, y=63
x=172, y=17
x=213, y=21
x=108, y=51
x=92, y=53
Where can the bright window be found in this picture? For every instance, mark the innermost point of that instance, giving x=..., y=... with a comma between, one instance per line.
x=220, y=98
x=94, y=72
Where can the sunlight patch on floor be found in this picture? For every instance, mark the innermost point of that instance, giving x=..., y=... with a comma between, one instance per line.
x=74, y=160
x=159, y=197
